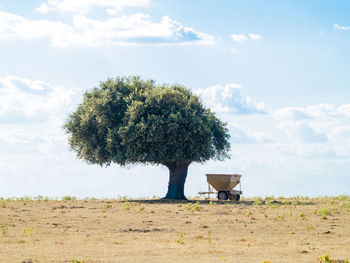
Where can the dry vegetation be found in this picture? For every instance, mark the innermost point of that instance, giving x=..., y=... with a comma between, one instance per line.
x=252, y=230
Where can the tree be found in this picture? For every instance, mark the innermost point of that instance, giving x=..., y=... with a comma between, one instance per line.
x=129, y=120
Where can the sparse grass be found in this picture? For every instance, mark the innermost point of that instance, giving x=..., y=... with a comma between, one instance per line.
x=180, y=239
x=209, y=237
x=211, y=203
x=193, y=207
x=69, y=198
x=106, y=207
x=324, y=212
x=127, y=206
x=27, y=232
x=4, y=230
x=303, y=216
x=78, y=228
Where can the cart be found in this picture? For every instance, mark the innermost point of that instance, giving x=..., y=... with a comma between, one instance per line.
x=224, y=184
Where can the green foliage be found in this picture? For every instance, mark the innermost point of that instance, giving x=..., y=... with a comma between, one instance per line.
x=303, y=216
x=295, y=203
x=142, y=208
x=324, y=259
x=324, y=212
x=193, y=207
x=344, y=197
x=180, y=239
x=69, y=198
x=127, y=206
x=27, y=232
x=106, y=207
x=129, y=120
x=258, y=201
x=75, y=261
x=4, y=230
x=327, y=259
x=209, y=237
x=211, y=203
x=344, y=204
x=24, y=198
x=39, y=198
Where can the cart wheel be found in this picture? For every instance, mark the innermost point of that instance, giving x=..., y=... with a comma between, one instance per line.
x=237, y=197
x=222, y=195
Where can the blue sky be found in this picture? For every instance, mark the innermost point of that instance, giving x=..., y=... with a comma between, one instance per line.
x=276, y=71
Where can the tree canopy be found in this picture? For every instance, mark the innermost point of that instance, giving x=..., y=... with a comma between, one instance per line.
x=128, y=120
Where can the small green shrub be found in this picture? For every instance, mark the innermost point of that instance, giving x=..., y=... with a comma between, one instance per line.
x=106, y=207
x=344, y=197
x=193, y=207
x=4, y=230
x=39, y=198
x=180, y=239
x=197, y=207
x=294, y=203
x=324, y=259
x=211, y=203
x=258, y=202
x=142, y=208
x=209, y=236
x=69, y=198
x=27, y=232
x=324, y=212
x=344, y=204
x=127, y=206
x=303, y=216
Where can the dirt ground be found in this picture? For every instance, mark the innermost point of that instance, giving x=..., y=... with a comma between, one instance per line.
x=252, y=230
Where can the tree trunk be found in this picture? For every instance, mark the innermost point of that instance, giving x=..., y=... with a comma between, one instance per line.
x=177, y=178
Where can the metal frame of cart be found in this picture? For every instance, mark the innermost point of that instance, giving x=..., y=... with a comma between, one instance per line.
x=224, y=184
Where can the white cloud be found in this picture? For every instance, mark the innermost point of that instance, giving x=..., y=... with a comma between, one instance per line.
x=43, y=8
x=241, y=134
x=83, y=6
x=255, y=37
x=310, y=151
x=291, y=113
x=239, y=37
x=242, y=37
x=303, y=132
x=86, y=32
x=328, y=110
x=228, y=99
x=28, y=101
x=346, y=28
x=234, y=51
x=341, y=133
x=314, y=111
x=325, y=126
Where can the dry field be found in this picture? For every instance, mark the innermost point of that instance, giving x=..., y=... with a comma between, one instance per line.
x=252, y=230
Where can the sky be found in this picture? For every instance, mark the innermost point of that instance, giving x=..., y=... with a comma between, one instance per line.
x=276, y=71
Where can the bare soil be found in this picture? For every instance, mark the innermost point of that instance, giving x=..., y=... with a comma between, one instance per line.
x=283, y=230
